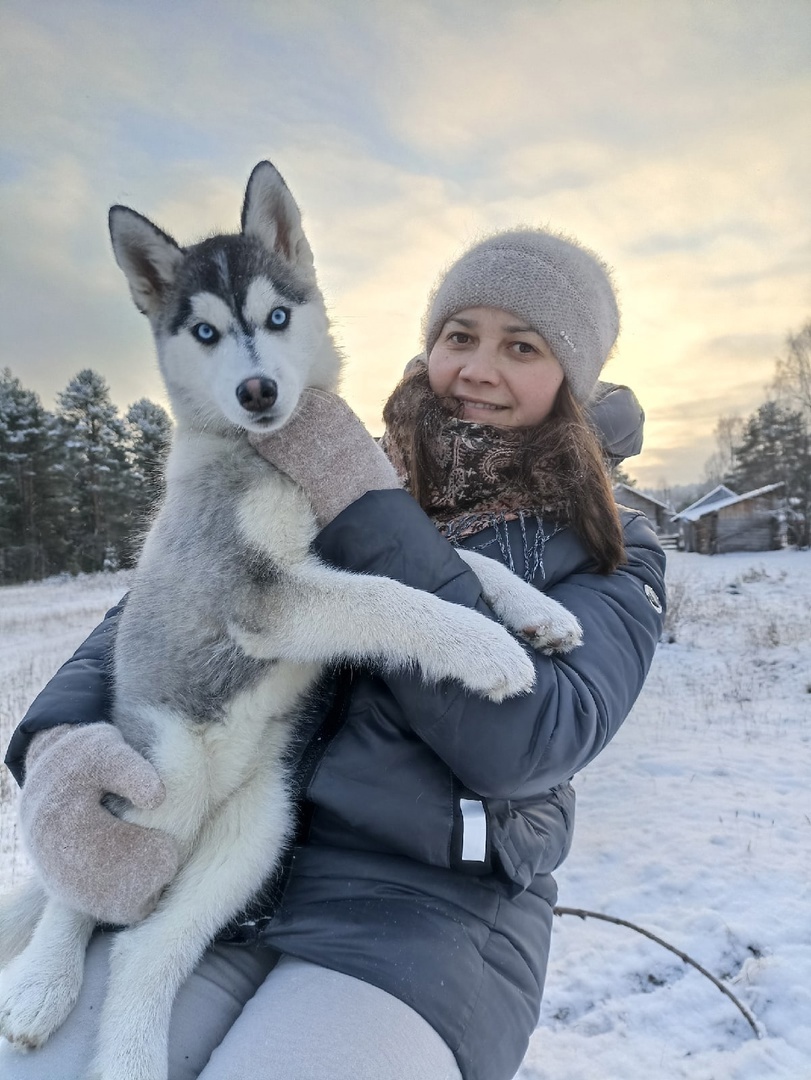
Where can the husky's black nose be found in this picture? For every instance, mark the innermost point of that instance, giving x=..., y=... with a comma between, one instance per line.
x=256, y=395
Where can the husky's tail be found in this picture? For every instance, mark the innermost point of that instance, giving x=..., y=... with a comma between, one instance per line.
x=20, y=911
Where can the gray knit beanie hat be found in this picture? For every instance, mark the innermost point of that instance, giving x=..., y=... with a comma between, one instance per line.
x=562, y=290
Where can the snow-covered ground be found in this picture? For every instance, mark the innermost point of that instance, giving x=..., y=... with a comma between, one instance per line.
x=695, y=823
x=40, y=626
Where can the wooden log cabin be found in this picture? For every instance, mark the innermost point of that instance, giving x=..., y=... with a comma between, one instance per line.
x=719, y=522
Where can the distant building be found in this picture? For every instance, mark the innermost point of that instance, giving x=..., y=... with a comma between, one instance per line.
x=658, y=513
x=722, y=521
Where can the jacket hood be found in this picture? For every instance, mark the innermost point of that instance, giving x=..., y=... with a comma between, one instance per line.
x=619, y=420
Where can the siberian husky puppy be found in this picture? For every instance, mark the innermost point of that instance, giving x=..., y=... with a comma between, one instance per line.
x=230, y=620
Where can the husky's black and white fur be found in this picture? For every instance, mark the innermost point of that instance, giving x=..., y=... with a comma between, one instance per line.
x=230, y=620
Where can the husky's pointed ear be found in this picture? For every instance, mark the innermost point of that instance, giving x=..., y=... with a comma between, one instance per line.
x=270, y=213
x=148, y=257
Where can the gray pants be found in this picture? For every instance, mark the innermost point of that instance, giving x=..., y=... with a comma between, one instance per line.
x=246, y=1015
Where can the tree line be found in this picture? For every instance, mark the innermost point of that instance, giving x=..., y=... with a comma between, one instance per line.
x=77, y=485
x=773, y=444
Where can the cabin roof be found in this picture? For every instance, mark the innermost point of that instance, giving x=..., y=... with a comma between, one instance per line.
x=642, y=495
x=696, y=512
x=720, y=491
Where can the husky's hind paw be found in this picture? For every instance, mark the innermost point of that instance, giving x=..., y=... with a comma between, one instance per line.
x=34, y=1003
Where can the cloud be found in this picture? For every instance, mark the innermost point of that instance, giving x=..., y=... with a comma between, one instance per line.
x=670, y=138
x=632, y=75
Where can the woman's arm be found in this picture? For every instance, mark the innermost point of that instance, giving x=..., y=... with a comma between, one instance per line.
x=523, y=745
x=529, y=744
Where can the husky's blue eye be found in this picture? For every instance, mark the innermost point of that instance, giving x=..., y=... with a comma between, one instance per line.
x=278, y=318
x=205, y=333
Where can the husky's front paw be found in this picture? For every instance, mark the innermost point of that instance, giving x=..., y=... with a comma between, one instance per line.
x=557, y=630
x=522, y=608
x=495, y=665
x=517, y=677
x=35, y=1002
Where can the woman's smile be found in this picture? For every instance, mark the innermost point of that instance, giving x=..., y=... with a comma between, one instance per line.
x=471, y=409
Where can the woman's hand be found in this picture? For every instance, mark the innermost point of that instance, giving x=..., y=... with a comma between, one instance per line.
x=326, y=450
x=86, y=856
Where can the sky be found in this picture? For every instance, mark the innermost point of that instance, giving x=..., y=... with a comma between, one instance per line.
x=669, y=136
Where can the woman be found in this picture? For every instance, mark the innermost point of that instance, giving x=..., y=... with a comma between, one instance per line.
x=414, y=917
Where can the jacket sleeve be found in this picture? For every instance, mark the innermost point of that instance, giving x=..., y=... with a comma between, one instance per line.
x=79, y=693
x=526, y=745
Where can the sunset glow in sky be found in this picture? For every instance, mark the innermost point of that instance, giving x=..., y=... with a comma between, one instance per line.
x=671, y=137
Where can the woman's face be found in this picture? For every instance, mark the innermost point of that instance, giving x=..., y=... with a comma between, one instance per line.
x=501, y=372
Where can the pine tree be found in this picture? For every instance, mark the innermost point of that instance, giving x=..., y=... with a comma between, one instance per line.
x=775, y=447
x=620, y=476
x=763, y=454
x=793, y=386
x=149, y=428
x=32, y=542
x=96, y=469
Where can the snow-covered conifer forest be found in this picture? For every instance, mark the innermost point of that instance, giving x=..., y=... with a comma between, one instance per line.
x=695, y=824
x=77, y=485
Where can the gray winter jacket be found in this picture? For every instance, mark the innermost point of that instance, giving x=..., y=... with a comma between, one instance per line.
x=431, y=820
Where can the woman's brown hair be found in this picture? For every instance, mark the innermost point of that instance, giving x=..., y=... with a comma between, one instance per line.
x=565, y=438
x=593, y=513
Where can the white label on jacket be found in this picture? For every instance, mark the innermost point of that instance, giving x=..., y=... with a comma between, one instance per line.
x=474, y=830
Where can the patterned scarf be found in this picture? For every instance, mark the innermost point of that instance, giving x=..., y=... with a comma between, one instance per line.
x=468, y=476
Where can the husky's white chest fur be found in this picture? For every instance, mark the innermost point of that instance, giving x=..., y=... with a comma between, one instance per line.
x=208, y=715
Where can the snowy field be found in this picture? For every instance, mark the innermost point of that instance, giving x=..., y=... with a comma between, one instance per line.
x=695, y=823
x=40, y=626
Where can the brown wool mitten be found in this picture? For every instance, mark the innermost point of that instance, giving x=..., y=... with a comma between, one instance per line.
x=86, y=856
x=326, y=450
